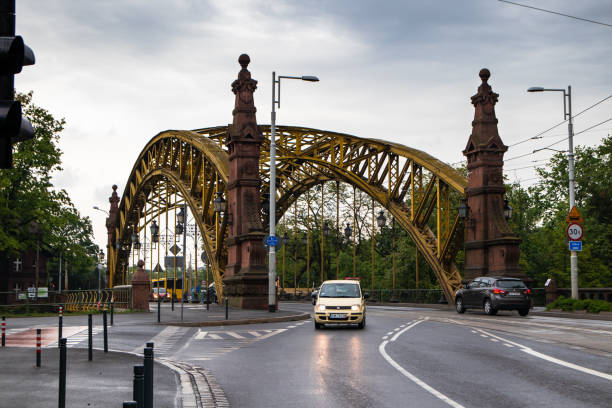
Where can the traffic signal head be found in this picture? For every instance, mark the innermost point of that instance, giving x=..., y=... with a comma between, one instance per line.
x=14, y=54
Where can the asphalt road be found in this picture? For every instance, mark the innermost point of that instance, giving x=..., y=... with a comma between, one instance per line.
x=405, y=357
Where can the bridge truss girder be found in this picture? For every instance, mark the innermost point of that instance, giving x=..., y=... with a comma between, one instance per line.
x=416, y=188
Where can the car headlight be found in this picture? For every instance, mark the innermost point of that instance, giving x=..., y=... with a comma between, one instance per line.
x=355, y=308
x=320, y=308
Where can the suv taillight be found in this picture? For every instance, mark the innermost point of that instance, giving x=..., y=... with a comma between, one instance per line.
x=527, y=292
x=499, y=291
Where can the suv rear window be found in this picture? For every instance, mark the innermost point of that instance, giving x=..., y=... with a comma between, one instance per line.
x=510, y=284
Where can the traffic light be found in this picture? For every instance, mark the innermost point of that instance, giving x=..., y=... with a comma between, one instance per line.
x=14, y=54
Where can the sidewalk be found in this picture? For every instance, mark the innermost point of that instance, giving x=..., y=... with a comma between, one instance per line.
x=196, y=315
x=104, y=382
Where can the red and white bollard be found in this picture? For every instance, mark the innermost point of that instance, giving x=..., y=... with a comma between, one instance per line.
x=61, y=311
x=3, y=331
x=98, y=306
x=37, y=347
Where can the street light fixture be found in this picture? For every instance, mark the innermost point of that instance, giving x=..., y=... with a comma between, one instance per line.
x=567, y=115
x=272, y=212
x=463, y=209
x=507, y=210
x=381, y=220
x=95, y=207
x=219, y=203
x=154, y=232
x=348, y=231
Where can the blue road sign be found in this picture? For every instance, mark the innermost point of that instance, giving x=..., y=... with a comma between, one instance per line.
x=272, y=240
x=575, y=245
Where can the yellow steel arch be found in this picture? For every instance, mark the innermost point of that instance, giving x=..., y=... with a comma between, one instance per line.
x=174, y=168
x=413, y=186
x=416, y=188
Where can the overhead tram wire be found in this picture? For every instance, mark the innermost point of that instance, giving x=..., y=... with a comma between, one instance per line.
x=555, y=12
x=575, y=134
x=539, y=135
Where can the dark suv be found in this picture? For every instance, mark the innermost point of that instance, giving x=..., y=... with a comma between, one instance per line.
x=493, y=294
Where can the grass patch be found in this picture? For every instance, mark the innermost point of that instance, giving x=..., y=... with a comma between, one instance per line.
x=590, y=305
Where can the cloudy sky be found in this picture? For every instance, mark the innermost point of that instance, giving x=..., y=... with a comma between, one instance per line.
x=121, y=71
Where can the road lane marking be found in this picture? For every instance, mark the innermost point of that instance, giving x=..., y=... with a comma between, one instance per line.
x=254, y=334
x=508, y=345
x=554, y=360
x=494, y=340
x=406, y=328
x=235, y=335
x=385, y=337
x=416, y=380
x=390, y=333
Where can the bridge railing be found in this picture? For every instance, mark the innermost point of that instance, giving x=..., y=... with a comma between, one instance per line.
x=21, y=302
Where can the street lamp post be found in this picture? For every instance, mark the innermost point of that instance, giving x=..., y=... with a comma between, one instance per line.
x=100, y=266
x=567, y=115
x=182, y=227
x=272, y=248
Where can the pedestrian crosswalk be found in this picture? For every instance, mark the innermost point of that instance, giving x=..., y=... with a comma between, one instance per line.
x=76, y=335
x=252, y=335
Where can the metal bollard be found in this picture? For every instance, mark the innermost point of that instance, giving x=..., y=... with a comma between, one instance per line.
x=105, y=331
x=226, y=309
x=62, y=374
x=148, y=377
x=130, y=404
x=112, y=309
x=158, y=308
x=138, y=390
x=60, y=325
x=3, y=331
x=37, y=347
x=90, y=337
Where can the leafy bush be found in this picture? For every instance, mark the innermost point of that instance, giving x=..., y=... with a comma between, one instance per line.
x=590, y=305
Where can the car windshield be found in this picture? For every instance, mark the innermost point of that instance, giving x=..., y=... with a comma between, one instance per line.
x=510, y=284
x=339, y=290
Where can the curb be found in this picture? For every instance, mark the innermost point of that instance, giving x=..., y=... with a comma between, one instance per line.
x=199, y=388
x=291, y=318
x=569, y=315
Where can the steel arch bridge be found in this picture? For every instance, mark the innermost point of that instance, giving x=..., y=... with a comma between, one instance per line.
x=189, y=167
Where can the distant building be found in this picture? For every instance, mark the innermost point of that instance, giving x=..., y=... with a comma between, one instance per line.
x=22, y=273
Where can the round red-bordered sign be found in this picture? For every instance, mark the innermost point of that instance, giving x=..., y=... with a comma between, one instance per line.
x=574, y=231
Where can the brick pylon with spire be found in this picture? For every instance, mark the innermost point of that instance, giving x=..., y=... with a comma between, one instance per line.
x=246, y=277
x=491, y=248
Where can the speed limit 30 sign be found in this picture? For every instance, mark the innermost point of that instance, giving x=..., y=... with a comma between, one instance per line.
x=574, y=231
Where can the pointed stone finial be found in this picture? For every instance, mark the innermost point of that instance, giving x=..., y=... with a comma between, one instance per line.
x=245, y=123
x=485, y=134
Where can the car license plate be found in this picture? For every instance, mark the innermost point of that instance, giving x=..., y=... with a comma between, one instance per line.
x=515, y=293
x=337, y=316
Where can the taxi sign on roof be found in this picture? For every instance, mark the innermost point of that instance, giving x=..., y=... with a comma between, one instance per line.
x=574, y=216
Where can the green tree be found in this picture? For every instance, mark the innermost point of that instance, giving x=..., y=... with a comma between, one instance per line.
x=27, y=195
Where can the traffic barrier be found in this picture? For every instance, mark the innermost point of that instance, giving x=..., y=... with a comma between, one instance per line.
x=62, y=375
x=105, y=331
x=38, y=347
x=148, y=377
x=3, y=331
x=90, y=337
x=60, y=324
x=138, y=390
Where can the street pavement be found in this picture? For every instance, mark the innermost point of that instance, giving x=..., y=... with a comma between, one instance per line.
x=406, y=356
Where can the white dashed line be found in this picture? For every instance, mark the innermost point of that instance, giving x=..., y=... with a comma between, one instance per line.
x=410, y=376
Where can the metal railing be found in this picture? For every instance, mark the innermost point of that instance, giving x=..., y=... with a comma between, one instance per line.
x=72, y=300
